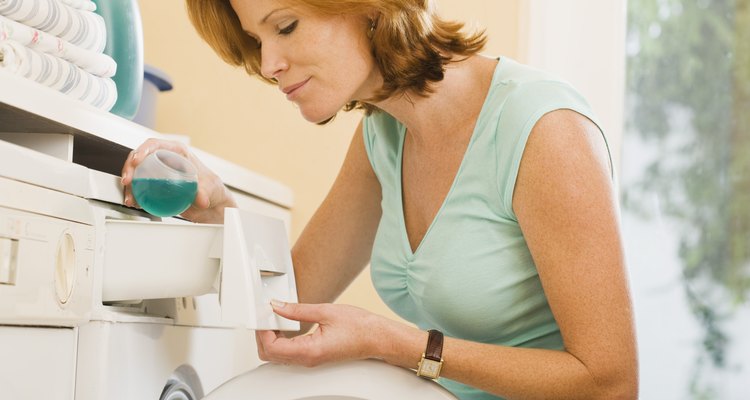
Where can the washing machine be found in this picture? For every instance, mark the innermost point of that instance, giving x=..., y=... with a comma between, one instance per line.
x=102, y=301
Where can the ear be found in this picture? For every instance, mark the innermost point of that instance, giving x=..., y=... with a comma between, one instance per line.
x=373, y=17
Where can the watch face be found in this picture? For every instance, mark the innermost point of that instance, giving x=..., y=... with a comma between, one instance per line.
x=429, y=368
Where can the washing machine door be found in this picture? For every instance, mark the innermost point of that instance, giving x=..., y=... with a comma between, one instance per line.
x=351, y=380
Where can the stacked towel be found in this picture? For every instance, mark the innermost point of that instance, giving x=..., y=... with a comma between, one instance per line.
x=96, y=63
x=84, y=29
x=59, y=44
x=58, y=74
x=86, y=5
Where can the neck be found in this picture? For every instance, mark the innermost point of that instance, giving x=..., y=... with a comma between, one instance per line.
x=455, y=103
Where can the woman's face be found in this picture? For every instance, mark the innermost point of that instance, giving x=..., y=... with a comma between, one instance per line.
x=320, y=62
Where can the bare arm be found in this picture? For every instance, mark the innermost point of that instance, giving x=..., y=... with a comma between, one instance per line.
x=336, y=244
x=212, y=196
x=566, y=207
x=571, y=224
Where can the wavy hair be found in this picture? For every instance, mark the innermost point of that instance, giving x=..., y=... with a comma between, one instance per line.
x=411, y=44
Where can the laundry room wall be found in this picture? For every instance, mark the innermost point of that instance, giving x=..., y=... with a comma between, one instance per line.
x=239, y=118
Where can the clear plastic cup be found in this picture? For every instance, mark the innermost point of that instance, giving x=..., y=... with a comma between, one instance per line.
x=165, y=183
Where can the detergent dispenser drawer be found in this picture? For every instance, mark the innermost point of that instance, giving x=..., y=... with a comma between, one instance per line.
x=246, y=261
x=158, y=260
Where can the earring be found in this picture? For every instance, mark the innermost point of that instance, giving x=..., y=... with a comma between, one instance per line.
x=371, y=32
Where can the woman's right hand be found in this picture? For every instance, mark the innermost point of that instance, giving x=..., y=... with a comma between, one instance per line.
x=212, y=196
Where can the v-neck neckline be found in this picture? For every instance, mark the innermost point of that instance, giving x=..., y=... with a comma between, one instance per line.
x=412, y=253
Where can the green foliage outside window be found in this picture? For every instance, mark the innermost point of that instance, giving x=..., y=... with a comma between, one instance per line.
x=688, y=98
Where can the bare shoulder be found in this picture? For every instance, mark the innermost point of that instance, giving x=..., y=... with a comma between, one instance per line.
x=565, y=170
x=568, y=146
x=570, y=136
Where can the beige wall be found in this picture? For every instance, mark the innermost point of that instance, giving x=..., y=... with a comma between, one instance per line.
x=556, y=37
x=244, y=121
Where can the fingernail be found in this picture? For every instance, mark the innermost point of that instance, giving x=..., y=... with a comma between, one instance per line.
x=277, y=303
x=127, y=200
x=124, y=176
x=135, y=153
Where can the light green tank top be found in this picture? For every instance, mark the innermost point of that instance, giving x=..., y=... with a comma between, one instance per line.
x=472, y=276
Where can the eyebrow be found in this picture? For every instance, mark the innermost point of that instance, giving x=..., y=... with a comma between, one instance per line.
x=263, y=21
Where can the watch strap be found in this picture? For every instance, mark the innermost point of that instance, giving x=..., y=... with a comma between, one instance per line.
x=434, y=350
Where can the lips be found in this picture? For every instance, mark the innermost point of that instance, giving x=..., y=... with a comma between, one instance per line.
x=289, y=89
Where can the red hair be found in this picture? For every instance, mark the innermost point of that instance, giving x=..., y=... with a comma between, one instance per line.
x=411, y=44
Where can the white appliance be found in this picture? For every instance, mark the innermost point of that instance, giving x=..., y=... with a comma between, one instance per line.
x=74, y=271
x=100, y=301
x=351, y=380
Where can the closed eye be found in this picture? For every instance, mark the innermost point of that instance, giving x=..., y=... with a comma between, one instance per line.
x=288, y=29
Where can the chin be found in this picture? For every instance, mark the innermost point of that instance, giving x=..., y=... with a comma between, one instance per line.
x=317, y=116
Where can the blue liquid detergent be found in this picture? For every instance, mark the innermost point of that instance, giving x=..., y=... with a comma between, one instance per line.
x=164, y=197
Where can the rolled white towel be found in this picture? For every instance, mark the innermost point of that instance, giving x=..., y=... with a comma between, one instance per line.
x=97, y=63
x=58, y=74
x=82, y=28
x=85, y=5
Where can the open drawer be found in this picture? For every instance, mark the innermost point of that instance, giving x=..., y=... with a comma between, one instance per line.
x=246, y=260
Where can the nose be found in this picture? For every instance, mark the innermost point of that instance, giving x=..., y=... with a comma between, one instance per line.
x=272, y=61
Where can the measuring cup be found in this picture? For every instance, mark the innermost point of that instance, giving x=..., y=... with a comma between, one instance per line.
x=165, y=183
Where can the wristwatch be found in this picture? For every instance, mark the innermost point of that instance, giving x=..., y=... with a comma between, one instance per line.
x=432, y=361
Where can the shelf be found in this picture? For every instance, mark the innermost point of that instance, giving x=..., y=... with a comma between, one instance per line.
x=103, y=140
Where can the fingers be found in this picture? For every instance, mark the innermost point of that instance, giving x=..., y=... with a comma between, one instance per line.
x=202, y=198
x=343, y=333
x=212, y=196
x=274, y=347
x=127, y=178
x=149, y=146
x=300, y=350
x=134, y=158
x=260, y=338
x=138, y=155
x=300, y=312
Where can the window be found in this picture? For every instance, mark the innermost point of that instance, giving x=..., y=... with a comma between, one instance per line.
x=685, y=185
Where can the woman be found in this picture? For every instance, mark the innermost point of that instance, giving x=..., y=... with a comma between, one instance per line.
x=480, y=190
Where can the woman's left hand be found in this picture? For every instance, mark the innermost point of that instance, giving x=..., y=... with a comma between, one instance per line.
x=343, y=333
